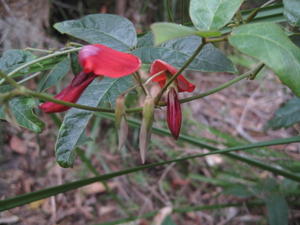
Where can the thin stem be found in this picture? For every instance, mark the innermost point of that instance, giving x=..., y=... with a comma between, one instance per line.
x=39, y=60
x=251, y=73
x=11, y=81
x=218, y=39
x=255, y=11
x=69, y=104
x=187, y=63
x=140, y=83
x=29, y=78
x=169, y=10
x=38, y=50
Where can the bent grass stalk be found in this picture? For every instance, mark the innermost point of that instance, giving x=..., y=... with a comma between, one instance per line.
x=45, y=193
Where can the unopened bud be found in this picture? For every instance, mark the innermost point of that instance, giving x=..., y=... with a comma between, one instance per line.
x=174, y=115
x=120, y=121
x=146, y=127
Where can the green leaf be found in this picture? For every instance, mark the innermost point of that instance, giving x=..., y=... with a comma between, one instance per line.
x=55, y=75
x=21, y=109
x=292, y=11
x=75, y=66
x=111, y=30
x=287, y=115
x=167, y=31
x=14, y=58
x=176, y=52
x=213, y=14
x=268, y=43
x=76, y=120
x=277, y=209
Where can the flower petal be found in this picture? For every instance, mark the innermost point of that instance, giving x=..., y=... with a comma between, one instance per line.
x=102, y=60
x=182, y=83
x=71, y=93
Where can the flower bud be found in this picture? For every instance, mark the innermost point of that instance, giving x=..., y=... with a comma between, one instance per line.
x=146, y=127
x=120, y=121
x=174, y=115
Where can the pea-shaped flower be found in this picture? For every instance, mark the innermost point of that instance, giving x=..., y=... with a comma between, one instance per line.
x=96, y=60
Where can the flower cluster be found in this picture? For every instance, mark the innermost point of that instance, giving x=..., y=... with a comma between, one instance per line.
x=100, y=60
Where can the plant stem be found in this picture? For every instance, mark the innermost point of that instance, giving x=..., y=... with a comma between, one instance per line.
x=39, y=60
x=169, y=10
x=251, y=73
x=186, y=64
x=45, y=97
x=11, y=81
x=140, y=83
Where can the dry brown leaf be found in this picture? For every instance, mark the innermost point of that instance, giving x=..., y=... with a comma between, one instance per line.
x=17, y=145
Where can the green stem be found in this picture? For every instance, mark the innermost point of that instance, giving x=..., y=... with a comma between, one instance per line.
x=39, y=60
x=140, y=83
x=45, y=97
x=186, y=64
x=169, y=10
x=251, y=73
x=11, y=81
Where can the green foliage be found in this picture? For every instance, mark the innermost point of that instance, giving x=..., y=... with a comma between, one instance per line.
x=213, y=14
x=111, y=30
x=268, y=43
x=14, y=58
x=176, y=52
x=76, y=120
x=21, y=109
x=168, y=31
x=55, y=75
x=292, y=11
x=287, y=115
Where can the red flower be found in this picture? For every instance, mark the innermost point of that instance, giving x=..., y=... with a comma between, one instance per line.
x=159, y=65
x=96, y=60
x=174, y=115
x=71, y=93
x=105, y=61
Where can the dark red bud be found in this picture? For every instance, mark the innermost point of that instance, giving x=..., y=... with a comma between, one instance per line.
x=71, y=93
x=174, y=115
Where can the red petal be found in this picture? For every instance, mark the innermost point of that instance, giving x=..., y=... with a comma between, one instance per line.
x=71, y=93
x=102, y=60
x=182, y=83
x=174, y=115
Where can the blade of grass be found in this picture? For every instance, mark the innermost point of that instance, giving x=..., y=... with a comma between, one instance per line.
x=45, y=193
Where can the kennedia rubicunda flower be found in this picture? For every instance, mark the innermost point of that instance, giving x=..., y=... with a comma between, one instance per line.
x=181, y=83
x=174, y=114
x=71, y=93
x=95, y=60
x=105, y=61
